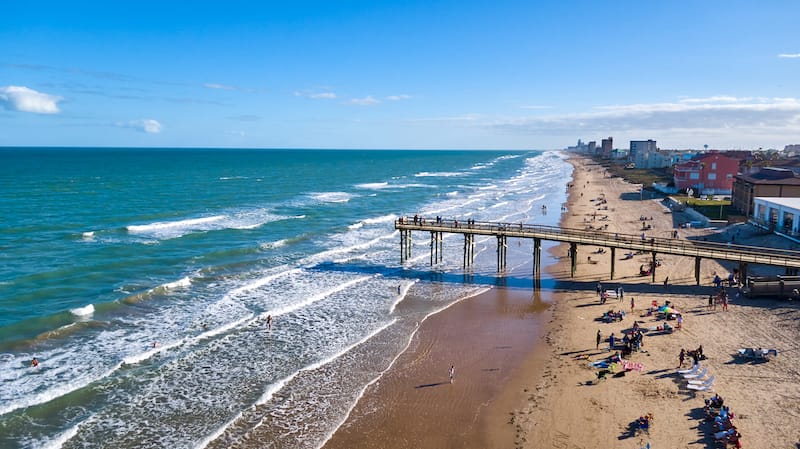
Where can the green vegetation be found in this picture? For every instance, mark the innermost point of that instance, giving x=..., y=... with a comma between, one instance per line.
x=700, y=202
x=713, y=209
x=643, y=176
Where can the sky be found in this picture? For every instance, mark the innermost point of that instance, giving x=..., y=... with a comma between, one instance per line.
x=467, y=74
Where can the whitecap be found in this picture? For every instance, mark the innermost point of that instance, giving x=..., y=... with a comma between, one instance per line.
x=83, y=311
x=331, y=197
x=442, y=174
x=275, y=244
x=373, y=185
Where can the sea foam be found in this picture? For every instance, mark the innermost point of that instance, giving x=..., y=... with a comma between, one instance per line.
x=83, y=311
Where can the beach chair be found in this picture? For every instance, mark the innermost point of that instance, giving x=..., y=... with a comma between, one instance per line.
x=710, y=380
x=704, y=387
x=692, y=370
x=698, y=375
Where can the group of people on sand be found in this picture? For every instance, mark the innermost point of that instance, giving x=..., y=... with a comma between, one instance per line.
x=721, y=419
x=696, y=355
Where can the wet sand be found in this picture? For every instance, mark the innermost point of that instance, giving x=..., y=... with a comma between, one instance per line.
x=491, y=339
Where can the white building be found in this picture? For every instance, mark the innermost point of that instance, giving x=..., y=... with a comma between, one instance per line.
x=645, y=154
x=778, y=213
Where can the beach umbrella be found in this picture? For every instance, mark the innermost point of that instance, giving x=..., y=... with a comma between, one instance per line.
x=669, y=310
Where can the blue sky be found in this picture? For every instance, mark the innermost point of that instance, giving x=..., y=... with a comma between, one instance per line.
x=400, y=74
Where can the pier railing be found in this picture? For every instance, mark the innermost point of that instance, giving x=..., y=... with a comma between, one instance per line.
x=698, y=249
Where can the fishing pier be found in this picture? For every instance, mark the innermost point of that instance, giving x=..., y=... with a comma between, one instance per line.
x=699, y=250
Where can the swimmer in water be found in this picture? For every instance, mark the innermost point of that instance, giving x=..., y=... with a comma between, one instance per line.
x=34, y=362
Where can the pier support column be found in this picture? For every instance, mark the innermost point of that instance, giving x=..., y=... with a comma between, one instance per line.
x=502, y=250
x=405, y=245
x=697, y=270
x=653, y=264
x=742, y=272
x=469, y=249
x=437, y=248
x=613, y=260
x=573, y=255
x=537, y=257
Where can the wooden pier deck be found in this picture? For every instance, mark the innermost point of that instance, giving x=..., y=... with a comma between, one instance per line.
x=699, y=250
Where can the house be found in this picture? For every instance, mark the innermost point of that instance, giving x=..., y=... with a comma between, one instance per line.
x=710, y=173
x=778, y=214
x=772, y=182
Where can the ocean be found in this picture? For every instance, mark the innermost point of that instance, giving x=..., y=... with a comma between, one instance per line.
x=141, y=280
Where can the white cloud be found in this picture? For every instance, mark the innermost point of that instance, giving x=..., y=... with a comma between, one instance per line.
x=23, y=99
x=366, y=101
x=716, y=99
x=398, y=97
x=712, y=112
x=789, y=55
x=218, y=86
x=316, y=95
x=725, y=121
x=148, y=126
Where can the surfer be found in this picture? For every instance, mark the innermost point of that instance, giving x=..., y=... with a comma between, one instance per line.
x=34, y=362
x=269, y=322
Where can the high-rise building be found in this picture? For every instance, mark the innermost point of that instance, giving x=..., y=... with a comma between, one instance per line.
x=607, y=146
x=642, y=153
x=641, y=146
x=592, y=147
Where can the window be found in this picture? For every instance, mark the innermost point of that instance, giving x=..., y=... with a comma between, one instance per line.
x=712, y=176
x=694, y=175
x=713, y=165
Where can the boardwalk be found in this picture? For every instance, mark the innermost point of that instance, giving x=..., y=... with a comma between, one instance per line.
x=744, y=255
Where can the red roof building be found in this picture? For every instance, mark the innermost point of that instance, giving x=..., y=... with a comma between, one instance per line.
x=710, y=173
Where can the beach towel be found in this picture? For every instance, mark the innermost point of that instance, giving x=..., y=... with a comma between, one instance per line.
x=633, y=366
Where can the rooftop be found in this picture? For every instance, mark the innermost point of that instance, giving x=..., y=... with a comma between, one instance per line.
x=794, y=203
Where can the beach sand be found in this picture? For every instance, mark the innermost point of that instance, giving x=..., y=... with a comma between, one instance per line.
x=521, y=384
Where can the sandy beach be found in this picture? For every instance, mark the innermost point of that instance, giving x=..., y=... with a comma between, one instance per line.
x=522, y=374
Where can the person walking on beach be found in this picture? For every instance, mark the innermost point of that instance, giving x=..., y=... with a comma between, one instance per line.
x=597, y=343
x=452, y=373
x=681, y=357
x=599, y=288
x=620, y=293
x=632, y=305
x=666, y=282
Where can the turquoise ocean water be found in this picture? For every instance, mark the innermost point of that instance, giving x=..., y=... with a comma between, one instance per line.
x=141, y=280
